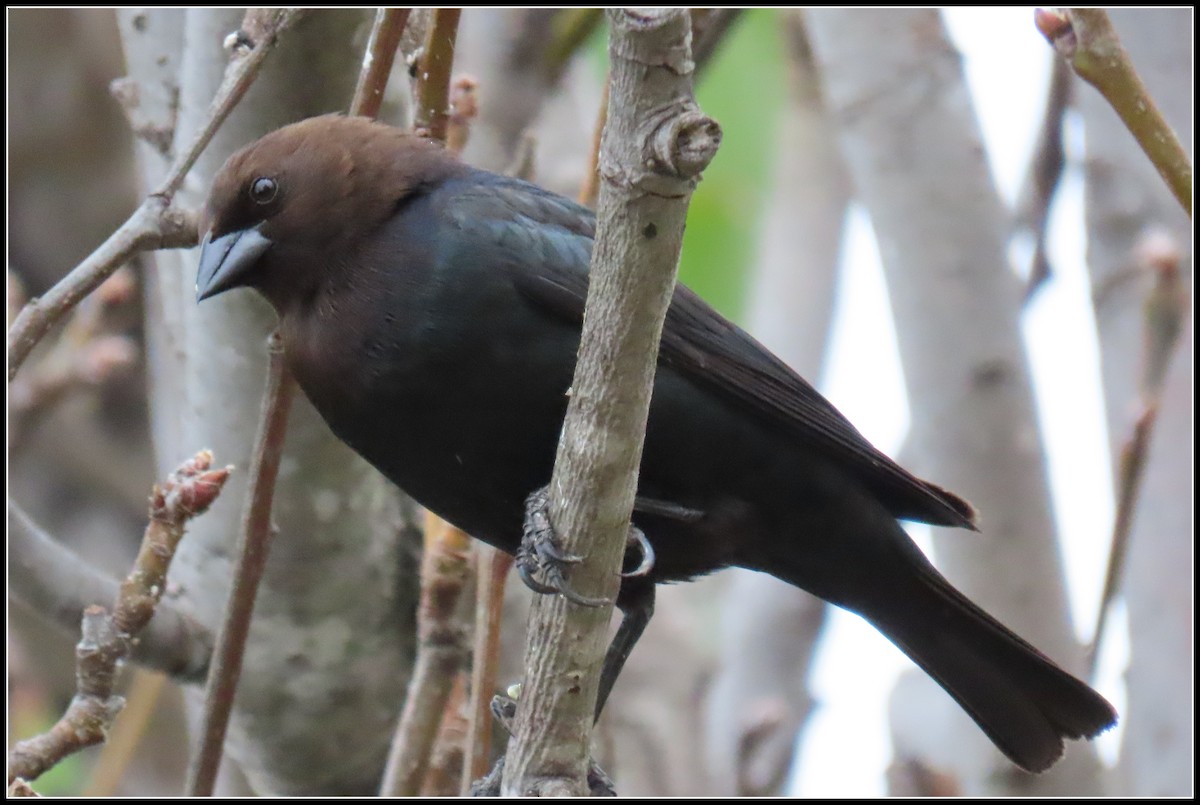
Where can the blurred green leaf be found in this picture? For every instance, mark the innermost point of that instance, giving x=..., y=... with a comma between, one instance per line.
x=742, y=89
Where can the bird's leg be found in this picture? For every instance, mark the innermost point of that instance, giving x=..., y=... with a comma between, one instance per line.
x=637, y=606
x=657, y=508
x=540, y=554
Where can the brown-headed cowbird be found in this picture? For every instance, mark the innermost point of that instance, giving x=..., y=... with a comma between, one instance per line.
x=431, y=312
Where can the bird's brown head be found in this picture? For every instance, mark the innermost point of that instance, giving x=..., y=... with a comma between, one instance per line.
x=293, y=204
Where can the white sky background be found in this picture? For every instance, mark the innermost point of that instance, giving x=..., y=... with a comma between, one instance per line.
x=846, y=747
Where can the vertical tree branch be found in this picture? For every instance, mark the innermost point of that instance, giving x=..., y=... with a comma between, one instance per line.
x=253, y=548
x=1125, y=198
x=433, y=78
x=1166, y=312
x=440, y=652
x=655, y=145
x=380, y=56
x=492, y=569
x=445, y=570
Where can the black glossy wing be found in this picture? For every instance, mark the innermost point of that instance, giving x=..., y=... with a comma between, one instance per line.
x=554, y=236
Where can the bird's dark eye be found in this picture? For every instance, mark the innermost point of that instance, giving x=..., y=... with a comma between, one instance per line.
x=263, y=190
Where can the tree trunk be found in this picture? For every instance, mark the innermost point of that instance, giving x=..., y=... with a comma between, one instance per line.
x=914, y=148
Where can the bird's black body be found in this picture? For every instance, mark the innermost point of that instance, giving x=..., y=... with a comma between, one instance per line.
x=438, y=339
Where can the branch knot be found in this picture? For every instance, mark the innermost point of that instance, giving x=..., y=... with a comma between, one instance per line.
x=684, y=143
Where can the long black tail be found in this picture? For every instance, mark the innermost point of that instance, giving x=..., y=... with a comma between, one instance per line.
x=1024, y=702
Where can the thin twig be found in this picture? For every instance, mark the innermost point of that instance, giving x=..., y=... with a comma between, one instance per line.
x=249, y=47
x=1085, y=37
x=254, y=545
x=441, y=649
x=1165, y=311
x=1045, y=173
x=433, y=78
x=591, y=179
x=154, y=224
x=571, y=28
x=57, y=584
x=492, y=568
x=380, y=56
x=107, y=640
x=709, y=28
x=83, y=356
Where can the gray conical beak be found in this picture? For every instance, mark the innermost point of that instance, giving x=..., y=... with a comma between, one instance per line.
x=226, y=261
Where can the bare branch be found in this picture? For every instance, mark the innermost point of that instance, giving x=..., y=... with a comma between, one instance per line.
x=56, y=584
x=441, y=651
x=446, y=762
x=154, y=224
x=254, y=546
x=492, y=568
x=433, y=78
x=381, y=55
x=1085, y=37
x=709, y=28
x=655, y=145
x=1165, y=312
x=1045, y=172
x=107, y=640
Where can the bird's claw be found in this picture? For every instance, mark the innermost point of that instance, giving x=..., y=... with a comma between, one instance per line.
x=636, y=537
x=540, y=554
x=549, y=550
x=526, y=570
